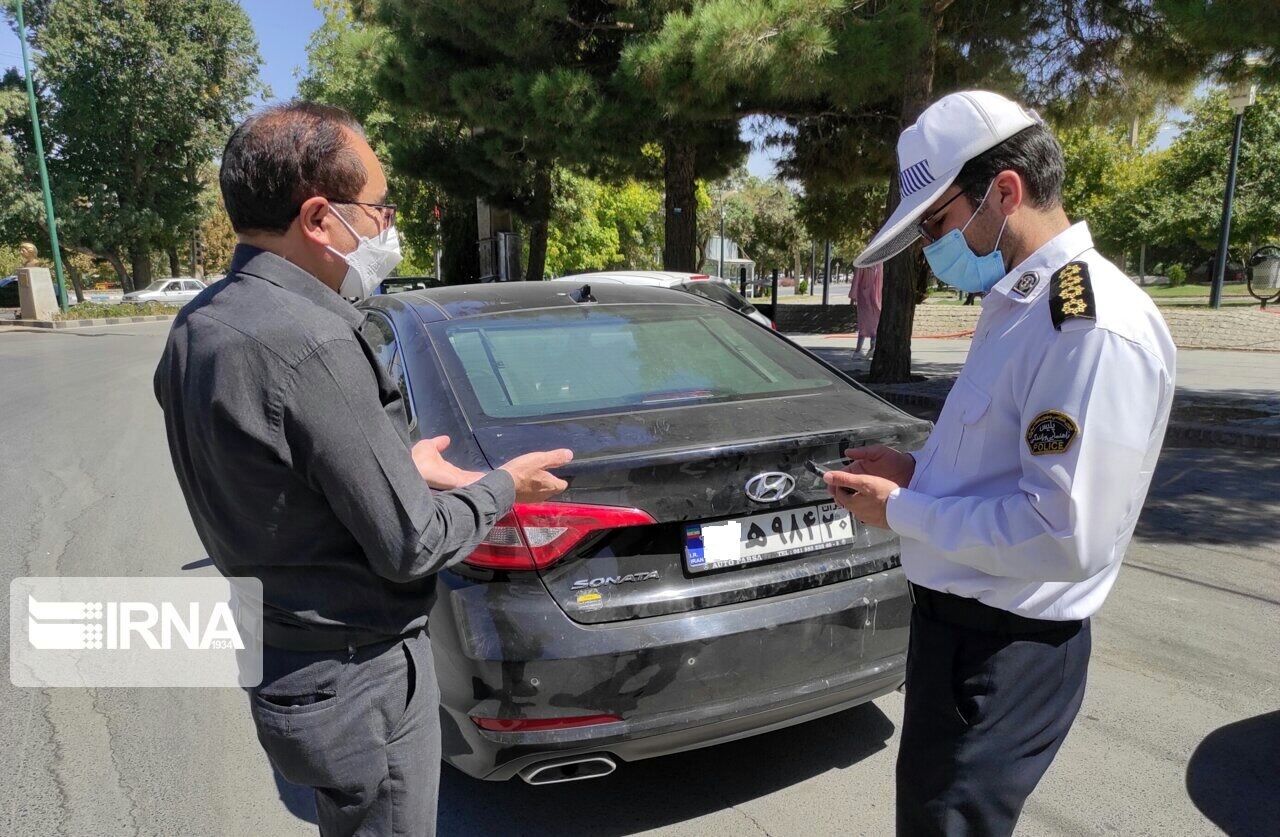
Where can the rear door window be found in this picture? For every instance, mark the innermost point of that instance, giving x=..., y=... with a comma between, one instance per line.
x=381, y=337
x=621, y=357
x=716, y=292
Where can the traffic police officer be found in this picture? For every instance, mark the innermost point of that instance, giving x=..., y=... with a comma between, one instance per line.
x=1016, y=513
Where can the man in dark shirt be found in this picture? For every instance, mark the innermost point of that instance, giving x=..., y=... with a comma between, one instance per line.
x=290, y=445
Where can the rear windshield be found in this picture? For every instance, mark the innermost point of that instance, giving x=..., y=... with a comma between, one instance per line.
x=591, y=360
x=716, y=292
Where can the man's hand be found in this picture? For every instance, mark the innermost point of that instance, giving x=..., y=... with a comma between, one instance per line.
x=533, y=481
x=439, y=474
x=863, y=495
x=881, y=461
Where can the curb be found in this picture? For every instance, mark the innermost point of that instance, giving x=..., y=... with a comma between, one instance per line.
x=101, y=321
x=1185, y=434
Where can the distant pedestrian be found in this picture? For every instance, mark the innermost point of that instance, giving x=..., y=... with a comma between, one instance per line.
x=865, y=293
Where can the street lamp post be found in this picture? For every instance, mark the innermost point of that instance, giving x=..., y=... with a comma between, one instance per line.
x=1242, y=96
x=44, y=172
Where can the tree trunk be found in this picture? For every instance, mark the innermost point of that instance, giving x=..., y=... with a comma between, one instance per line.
x=891, y=363
x=174, y=267
x=126, y=283
x=75, y=280
x=541, y=214
x=460, y=258
x=680, y=251
x=140, y=257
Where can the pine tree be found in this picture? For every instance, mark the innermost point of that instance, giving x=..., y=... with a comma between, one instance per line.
x=849, y=76
x=528, y=86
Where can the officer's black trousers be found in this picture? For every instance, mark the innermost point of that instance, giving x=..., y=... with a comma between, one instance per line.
x=988, y=704
x=362, y=728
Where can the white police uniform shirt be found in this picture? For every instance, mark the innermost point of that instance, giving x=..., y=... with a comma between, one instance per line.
x=1027, y=492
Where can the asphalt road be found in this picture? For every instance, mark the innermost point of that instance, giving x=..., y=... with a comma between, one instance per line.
x=1178, y=734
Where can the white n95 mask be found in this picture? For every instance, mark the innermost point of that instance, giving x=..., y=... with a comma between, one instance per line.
x=371, y=262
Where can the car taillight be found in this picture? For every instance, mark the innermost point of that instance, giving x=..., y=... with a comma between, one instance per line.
x=540, y=724
x=773, y=325
x=534, y=536
x=699, y=277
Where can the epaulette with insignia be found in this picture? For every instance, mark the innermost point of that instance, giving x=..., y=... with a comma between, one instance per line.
x=1070, y=294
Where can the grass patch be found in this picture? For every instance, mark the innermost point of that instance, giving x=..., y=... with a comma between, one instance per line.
x=94, y=310
x=1165, y=292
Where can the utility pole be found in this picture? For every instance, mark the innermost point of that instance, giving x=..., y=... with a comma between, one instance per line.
x=826, y=274
x=44, y=172
x=1135, y=126
x=1242, y=96
x=197, y=255
x=720, y=271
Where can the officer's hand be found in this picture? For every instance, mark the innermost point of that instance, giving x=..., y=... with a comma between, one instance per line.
x=864, y=496
x=531, y=474
x=439, y=474
x=881, y=461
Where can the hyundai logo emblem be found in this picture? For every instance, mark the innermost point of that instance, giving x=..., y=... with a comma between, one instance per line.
x=770, y=487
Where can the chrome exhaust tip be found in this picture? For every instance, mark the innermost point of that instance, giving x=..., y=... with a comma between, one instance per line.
x=568, y=769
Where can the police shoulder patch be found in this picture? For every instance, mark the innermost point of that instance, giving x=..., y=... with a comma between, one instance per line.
x=1071, y=294
x=1026, y=284
x=1051, y=432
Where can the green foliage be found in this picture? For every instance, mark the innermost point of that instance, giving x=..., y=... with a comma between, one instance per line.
x=492, y=109
x=580, y=239
x=10, y=259
x=344, y=57
x=846, y=214
x=721, y=58
x=760, y=215
x=1228, y=35
x=634, y=209
x=802, y=287
x=136, y=95
x=93, y=310
x=598, y=226
x=1173, y=199
x=1103, y=171
x=1177, y=275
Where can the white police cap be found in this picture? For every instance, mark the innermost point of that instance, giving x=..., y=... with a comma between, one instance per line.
x=950, y=132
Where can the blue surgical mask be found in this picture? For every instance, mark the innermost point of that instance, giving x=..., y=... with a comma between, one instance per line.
x=955, y=263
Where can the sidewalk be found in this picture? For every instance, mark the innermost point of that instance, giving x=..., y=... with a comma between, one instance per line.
x=1237, y=327
x=1223, y=398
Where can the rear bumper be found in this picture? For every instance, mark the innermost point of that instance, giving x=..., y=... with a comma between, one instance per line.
x=677, y=683
x=705, y=727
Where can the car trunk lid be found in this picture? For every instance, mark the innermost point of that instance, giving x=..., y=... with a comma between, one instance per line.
x=689, y=466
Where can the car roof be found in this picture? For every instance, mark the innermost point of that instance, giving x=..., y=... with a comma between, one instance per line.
x=455, y=302
x=662, y=278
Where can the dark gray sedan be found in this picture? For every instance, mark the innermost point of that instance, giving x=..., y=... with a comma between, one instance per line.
x=695, y=584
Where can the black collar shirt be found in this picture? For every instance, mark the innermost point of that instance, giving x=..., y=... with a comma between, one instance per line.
x=290, y=445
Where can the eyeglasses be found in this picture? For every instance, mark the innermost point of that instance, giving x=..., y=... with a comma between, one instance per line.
x=923, y=226
x=386, y=211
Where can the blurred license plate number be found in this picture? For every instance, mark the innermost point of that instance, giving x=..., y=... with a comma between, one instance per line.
x=761, y=537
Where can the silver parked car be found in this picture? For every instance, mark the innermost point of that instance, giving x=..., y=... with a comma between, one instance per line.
x=177, y=291
x=698, y=284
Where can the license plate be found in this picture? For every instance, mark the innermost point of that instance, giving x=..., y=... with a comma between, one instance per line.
x=761, y=537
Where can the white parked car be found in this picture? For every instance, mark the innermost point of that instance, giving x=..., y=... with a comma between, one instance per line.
x=700, y=284
x=176, y=291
